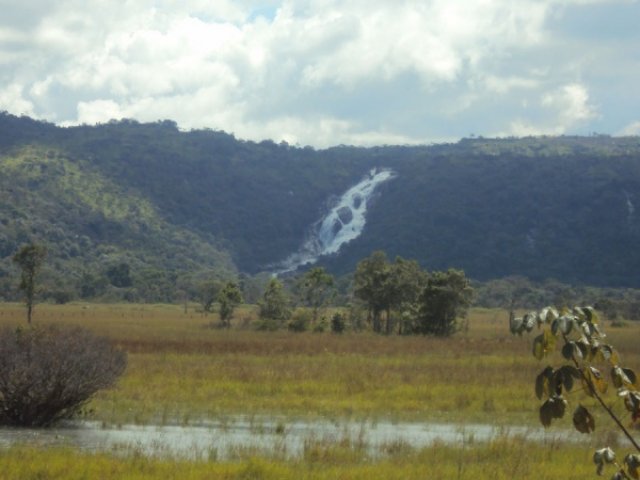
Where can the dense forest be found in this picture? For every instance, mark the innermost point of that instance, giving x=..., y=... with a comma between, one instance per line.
x=151, y=210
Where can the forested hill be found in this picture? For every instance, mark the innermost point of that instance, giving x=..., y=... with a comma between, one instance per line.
x=174, y=205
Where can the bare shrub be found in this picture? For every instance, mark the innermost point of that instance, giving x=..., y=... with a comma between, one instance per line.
x=49, y=373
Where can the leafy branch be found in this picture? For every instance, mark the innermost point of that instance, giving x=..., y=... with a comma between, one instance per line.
x=583, y=346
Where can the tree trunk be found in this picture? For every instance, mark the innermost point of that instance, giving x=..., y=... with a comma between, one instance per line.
x=377, y=327
x=389, y=322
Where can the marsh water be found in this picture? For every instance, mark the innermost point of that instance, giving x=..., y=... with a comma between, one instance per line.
x=238, y=436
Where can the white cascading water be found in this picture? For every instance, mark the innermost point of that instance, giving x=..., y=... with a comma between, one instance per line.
x=343, y=223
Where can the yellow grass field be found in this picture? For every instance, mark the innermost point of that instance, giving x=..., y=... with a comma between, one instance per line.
x=181, y=371
x=497, y=460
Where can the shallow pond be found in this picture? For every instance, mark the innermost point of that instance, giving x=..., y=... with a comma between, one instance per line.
x=239, y=436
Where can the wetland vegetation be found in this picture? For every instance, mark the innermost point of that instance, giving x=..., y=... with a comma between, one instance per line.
x=181, y=372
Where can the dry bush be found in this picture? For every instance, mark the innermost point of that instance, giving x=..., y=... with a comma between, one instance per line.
x=49, y=373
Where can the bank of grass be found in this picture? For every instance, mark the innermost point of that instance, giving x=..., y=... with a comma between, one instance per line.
x=181, y=370
x=496, y=460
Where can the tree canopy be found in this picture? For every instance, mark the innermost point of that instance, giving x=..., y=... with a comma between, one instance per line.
x=422, y=302
x=29, y=259
x=203, y=204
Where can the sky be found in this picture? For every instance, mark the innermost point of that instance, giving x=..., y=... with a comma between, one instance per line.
x=328, y=72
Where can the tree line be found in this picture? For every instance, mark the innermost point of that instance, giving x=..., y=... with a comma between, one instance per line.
x=396, y=296
x=167, y=202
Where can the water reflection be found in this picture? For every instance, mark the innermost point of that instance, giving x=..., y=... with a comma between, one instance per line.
x=231, y=438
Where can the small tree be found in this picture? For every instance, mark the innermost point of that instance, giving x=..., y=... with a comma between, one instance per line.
x=229, y=298
x=386, y=286
x=371, y=285
x=29, y=259
x=443, y=302
x=275, y=305
x=316, y=289
x=49, y=373
x=586, y=358
x=406, y=282
x=208, y=294
x=338, y=323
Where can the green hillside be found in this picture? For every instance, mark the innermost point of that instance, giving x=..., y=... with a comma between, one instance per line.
x=170, y=208
x=90, y=224
x=563, y=208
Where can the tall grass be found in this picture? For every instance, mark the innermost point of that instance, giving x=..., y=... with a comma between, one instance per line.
x=501, y=459
x=181, y=370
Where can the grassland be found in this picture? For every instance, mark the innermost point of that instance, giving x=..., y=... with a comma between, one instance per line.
x=497, y=460
x=182, y=371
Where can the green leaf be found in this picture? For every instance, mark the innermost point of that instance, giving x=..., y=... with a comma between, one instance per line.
x=563, y=324
x=565, y=375
x=620, y=378
x=546, y=413
x=632, y=402
x=603, y=456
x=620, y=475
x=633, y=465
x=516, y=325
x=631, y=375
x=558, y=406
x=548, y=314
x=570, y=351
x=553, y=407
x=543, y=344
x=606, y=353
x=591, y=315
x=584, y=348
x=583, y=420
x=529, y=321
x=595, y=377
x=542, y=383
x=588, y=329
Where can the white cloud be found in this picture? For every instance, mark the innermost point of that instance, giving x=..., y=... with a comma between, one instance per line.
x=572, y=104
x=558, y=111
x=630, y=129
x=320, y=72
x=12, y=100
x=504, y=85
x=523, y=128
x=99, y=111
x=435, y=40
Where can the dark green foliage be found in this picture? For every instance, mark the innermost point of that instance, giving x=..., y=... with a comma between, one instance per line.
x=29, y=259
x=60, y=297
x=522, y=293
x=579, y=333
x=49, y=373
x=119, y=275
x=443, y=302
x=299, y=321
x=497, y=208
x=163, y=200
x=338, y=323
x=229, y=298
x=275, y=306
x=384, y=286
x=315, y=289
x=371, y=285
x=208, y=294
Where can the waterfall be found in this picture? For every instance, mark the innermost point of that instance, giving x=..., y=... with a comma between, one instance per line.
x=630, y=207
x=343, y=223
